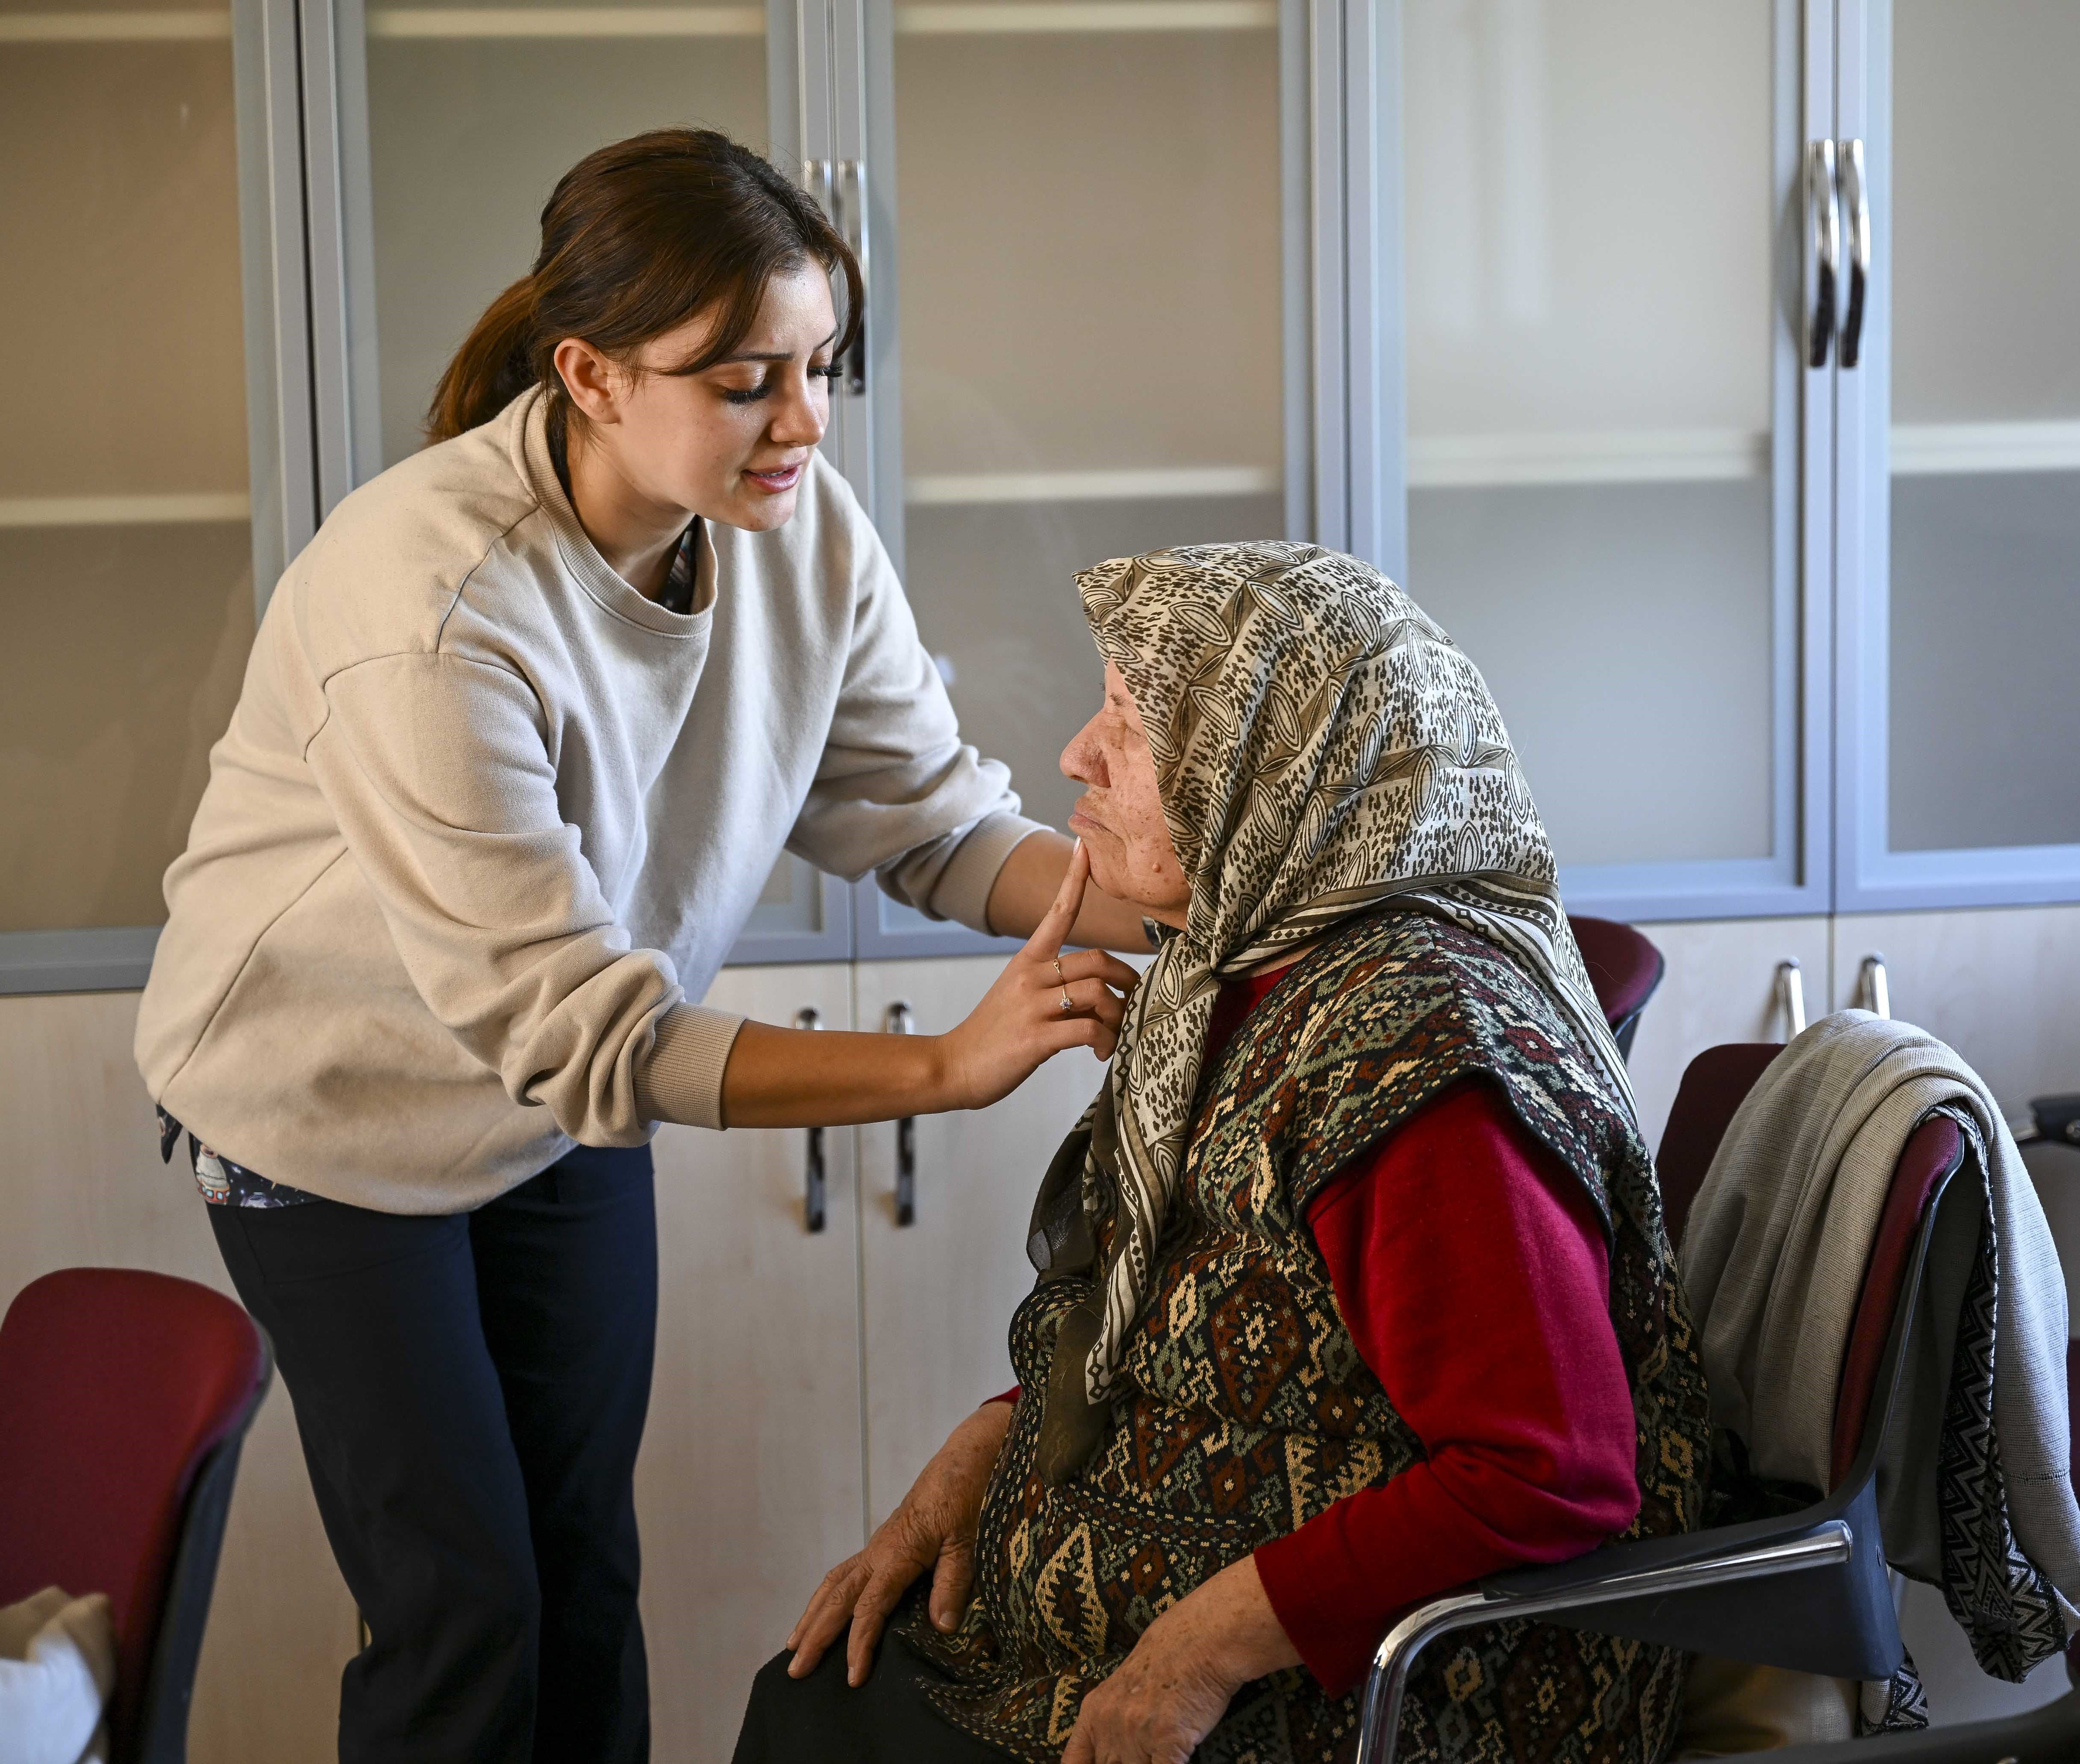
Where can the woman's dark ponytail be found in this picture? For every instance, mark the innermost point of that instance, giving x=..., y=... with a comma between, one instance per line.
x=491, y=369
x=638, y=238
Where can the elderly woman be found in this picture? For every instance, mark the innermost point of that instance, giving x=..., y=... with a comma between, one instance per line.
x=1353, y=1285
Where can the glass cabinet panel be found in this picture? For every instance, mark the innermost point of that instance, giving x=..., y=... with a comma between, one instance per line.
x=473, y=114
x=1984, y=283
x=1088, y=229
x=125, y=541
x=1603, y=409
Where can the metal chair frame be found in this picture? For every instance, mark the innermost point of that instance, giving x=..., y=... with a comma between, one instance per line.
x=1810, y=1591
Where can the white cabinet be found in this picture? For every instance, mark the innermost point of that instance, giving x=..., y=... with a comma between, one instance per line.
x=1999, y=984
x=749, y=1486
x=939, y=1293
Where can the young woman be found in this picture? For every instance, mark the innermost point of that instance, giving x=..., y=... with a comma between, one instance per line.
x=524, y=731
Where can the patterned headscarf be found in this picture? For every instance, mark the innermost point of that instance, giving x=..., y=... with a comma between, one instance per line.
x=1320, y=747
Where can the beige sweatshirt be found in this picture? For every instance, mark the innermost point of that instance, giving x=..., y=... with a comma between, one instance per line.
x=485, y=817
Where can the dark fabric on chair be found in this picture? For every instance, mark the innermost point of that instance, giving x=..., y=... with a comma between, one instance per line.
x=887, y=1721
x=1624, y=967
x=1930, y=1155
x=1714, y=1085
x=115, y=1384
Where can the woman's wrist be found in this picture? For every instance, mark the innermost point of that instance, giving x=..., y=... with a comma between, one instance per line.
x=1243, y=1638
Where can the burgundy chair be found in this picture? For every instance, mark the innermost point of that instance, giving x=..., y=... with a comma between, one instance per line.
x=1624, y=968
x=124, y=1397
x=1808, y=1591
x=1714, y=1085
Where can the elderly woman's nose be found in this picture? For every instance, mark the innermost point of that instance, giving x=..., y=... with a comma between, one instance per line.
x=1084, y=758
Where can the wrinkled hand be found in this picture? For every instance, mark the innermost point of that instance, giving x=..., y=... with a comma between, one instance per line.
x=934, y=1528
x=1177, y=1683
x=1020, y=1023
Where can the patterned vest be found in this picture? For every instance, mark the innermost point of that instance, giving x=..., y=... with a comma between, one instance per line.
x=1244, y=1408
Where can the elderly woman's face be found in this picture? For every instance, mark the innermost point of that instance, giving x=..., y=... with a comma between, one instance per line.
x=1119, y=816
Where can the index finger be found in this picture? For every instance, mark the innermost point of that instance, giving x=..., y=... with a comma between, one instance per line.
x=1060, y=917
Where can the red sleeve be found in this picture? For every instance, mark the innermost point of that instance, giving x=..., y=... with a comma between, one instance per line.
x=1471, y=1269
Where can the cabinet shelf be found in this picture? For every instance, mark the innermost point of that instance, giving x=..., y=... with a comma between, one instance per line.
x=491, y=21
x=1717, y=455
x=981, y=488
x=178, y=509
x=182, y=27
x=929, y=18
x=1020, y=18
x=1925, y=449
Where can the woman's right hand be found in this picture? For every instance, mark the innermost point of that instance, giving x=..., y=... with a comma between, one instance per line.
x=934, y=1528
x=1019, y=1023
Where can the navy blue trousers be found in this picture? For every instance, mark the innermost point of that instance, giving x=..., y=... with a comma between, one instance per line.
x=470, y=1391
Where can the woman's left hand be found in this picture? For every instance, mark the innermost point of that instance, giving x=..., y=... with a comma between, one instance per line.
x=1177, y=1684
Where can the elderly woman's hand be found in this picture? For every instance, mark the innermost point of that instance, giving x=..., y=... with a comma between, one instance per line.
x=1177, y=1683
x=934, y=1528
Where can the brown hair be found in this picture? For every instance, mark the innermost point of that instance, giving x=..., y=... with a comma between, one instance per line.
x=637, y=238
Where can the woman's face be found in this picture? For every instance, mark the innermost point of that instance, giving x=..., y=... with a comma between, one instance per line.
x=1119, y=817
x=731, y=443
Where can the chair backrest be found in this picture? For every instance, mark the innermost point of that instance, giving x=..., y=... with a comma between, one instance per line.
x=1837, y=1620
x=116, y=1386
x=1624, y=968
x=1932, y=1155
x=1714, y=1086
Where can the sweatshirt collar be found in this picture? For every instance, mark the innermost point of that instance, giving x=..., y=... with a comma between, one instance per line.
x=581, y=557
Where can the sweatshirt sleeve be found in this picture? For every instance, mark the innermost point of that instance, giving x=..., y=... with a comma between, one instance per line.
x=439, y=772
x=897, y=791
x=1471, y=1270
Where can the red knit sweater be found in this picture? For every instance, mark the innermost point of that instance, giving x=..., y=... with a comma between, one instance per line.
x=1471, y=1271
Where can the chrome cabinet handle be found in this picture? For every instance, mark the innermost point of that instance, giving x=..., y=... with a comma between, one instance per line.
x=1823, y=246
x=852, y=223
x=1790, y=996
x=901, y=1022
x=840, y=188
x=1873, y=991
x=816, y=1187
x=1856, y=200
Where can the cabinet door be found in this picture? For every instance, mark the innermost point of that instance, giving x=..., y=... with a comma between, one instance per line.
x=437, y=133
x=127, y=546
x=750, y=1486
x=939, y=1293
x=1612, y=450
x=1092, y=273
x=1721, y=985
x=436, y=140
x=1960, y=542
